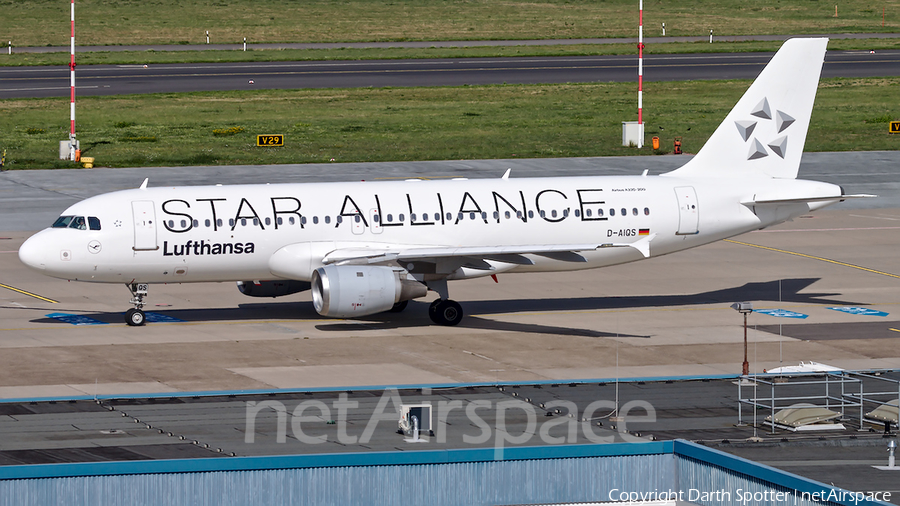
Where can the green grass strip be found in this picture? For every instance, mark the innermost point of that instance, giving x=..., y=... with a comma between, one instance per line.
x=468, y=122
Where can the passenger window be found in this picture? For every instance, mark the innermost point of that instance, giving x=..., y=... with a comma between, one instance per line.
x=196, y=223
x=280, y=221
x=543, y=214
x=587, y=212
x=412, y=217
x=327, y=220
x=599, y=212
x=612, y=212
x=356, y=218
x=255, y=222
x=449, y=216
x=339, y=220
x=291, y=220
x=507, y=215
x=390, y=218
x=243, y=222
x=531, y=214
x=634, y=211
x=646, y=211
x=207, y=223
x=231, y=222
x=553, y=213
x=303, y=220
x=376, y=218
x=94, y=223
x=400, y=217
x=437, y=217
x=315, y=220
x=218, y=222
x=460, y=217
x=624, y=212
x=472, y=216
x=269, y=221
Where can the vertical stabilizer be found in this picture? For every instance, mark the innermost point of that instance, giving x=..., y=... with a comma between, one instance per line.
x=765, y=132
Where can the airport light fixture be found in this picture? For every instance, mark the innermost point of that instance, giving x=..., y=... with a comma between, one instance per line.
x=744, y=308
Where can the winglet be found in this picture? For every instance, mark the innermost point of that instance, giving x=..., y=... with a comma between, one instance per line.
x=144, y=184
x=506, y=176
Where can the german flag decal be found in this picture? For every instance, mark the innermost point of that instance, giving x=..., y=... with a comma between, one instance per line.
x=644, y=231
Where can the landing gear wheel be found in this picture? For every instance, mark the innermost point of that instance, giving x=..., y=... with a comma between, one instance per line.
x=135, y=317
x=399, y=307
x=445, y=312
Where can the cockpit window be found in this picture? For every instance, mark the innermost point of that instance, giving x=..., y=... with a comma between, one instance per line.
x=78, y=223
x=62, y=222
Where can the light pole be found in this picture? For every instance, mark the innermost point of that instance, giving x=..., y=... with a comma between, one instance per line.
x=744, y=308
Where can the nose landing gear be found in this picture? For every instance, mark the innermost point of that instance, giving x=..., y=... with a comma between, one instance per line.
x=135, y=317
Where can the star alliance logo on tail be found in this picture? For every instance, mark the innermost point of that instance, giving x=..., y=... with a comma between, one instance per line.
x=778, y=145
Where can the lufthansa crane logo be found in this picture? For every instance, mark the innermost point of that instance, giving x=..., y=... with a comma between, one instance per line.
x=768, y=127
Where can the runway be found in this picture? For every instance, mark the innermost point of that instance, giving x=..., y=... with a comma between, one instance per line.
x=667, y=316
x=92, y=80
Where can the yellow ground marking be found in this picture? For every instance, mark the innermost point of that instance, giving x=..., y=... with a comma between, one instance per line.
x=812, y=257
x=23, y=292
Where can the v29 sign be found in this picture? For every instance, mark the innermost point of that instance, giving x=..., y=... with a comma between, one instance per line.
x=270, y=140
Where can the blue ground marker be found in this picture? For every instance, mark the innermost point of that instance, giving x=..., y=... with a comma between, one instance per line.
x=781, y=313
x=75, y=319
x=859, y=310
x=161, y=318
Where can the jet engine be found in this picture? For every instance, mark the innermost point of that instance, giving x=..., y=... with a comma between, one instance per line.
x=358, y=290
x=276, y=288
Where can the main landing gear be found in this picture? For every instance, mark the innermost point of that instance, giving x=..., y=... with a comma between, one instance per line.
x=135, y=317
x=444, y=311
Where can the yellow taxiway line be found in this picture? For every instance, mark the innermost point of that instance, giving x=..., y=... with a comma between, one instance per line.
x=812, y=257
x=23, y=292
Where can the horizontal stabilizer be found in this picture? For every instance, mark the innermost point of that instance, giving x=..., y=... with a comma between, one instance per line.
x=803, y=200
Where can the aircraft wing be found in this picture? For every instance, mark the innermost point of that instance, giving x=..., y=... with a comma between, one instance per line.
x=477, y=256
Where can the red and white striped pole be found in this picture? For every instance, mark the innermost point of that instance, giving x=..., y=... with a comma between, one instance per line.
x=640, y=74
x=72, y=144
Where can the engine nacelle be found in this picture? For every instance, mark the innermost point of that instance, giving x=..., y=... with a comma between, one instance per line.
x=358, y=290
x=276, y=288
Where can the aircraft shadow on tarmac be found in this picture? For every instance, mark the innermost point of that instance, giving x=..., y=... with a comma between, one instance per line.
x=792, y=291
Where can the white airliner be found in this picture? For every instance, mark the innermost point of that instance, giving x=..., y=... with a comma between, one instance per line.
x=368, y=247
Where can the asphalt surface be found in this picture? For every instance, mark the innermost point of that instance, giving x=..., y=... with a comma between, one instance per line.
x=20, y=82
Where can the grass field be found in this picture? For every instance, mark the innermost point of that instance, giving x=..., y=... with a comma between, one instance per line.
x=159, y=57
x=469, y=122
x=46, y=22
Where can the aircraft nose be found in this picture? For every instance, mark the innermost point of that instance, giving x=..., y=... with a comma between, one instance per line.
x=33, y=252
